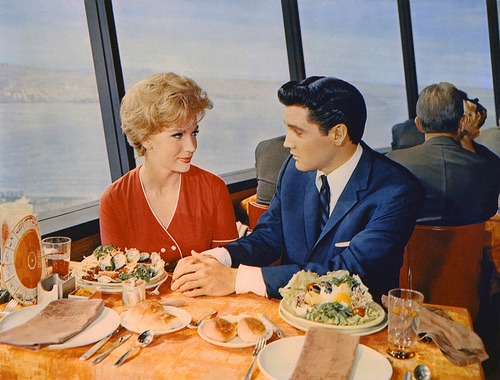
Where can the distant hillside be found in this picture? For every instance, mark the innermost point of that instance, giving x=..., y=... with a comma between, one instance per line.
x=27, y=84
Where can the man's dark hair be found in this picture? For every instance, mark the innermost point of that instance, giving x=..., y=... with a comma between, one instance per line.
x=440, y=108
x=330, y=101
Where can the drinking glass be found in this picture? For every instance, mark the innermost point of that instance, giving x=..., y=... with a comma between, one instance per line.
x=404, y=306
x=57, y=250
x=133, y=292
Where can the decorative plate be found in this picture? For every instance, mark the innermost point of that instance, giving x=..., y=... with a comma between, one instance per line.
x=23, y=265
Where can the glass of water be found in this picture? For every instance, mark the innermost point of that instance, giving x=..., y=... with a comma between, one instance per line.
x=404, y=306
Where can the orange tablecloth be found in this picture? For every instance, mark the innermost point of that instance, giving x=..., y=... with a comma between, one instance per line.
x=184, y=355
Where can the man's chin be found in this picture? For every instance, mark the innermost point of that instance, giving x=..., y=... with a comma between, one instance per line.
x=302, y=167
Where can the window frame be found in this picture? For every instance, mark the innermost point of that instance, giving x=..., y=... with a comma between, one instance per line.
x=84, y=220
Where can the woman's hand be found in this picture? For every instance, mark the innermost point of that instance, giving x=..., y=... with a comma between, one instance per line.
x=200, y=275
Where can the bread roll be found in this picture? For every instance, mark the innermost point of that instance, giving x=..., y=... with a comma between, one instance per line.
x=151, y=315
x=219, y=329
x=250, y=329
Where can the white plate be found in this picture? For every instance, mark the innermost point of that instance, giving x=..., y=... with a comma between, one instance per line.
x=112, y=287
x=278, y=359
x=183, y=316
x=303, y=324
x=236, y=342
x=117, y=287
x=105, y=323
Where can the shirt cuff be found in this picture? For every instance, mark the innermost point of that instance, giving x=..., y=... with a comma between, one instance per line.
x=250, y=279
x=220, y=254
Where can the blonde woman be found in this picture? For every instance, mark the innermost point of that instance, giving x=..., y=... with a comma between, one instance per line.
x=166, y=205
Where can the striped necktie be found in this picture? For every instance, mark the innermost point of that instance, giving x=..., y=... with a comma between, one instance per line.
x=324, y=205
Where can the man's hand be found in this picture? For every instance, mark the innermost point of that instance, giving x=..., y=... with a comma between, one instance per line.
x=199, y=275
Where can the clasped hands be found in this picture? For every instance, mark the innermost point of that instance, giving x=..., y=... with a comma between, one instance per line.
x=200, y=275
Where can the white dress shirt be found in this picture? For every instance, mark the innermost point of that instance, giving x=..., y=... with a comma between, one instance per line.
x=250, y=279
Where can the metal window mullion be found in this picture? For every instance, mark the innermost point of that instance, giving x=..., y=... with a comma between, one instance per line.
x=493, y=30
x=293, y=39
x=109, y=83
x=408, y=56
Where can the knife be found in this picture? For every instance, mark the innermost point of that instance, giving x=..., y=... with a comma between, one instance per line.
x=280, y=333
x=99, y=344
x=116, y=344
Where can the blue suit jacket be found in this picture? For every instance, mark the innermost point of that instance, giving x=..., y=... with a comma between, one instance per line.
x=375, y=216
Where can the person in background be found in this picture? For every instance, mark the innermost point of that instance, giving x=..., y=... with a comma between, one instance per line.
x=462, y=186
x=166, y=205
x=490, y=138
x=361, y=222
x=269, y=157
x=405, y=135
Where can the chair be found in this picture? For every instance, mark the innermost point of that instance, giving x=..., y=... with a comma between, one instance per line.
x=444, y=263
x=255, y=210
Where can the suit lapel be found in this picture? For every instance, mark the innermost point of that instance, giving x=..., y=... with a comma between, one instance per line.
x=349, y=197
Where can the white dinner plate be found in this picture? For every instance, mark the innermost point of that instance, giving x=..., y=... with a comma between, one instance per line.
x=236, y=342
x=111, y=287
x=105, y=323
x=116, y=287
x=304, y=324
x=183, y=316
x=277, y=361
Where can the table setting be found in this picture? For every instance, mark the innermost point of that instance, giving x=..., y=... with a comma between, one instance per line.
x=121, y=348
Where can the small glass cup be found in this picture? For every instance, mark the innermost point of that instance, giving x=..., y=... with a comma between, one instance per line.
x=57, y=251
x=133, y=292
x=404, y=306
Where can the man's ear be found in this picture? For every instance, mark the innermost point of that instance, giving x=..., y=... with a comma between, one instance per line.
x=419, y=126
x=339, y=134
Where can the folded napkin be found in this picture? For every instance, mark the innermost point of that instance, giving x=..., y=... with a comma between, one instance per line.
x=457, y=342
x=59, y=321
x=326, y=354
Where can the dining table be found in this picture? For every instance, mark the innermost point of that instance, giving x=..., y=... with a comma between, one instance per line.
x=183, y=354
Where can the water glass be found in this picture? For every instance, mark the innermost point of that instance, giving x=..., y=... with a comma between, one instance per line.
x=404, y=306
x=57, y=254
x=133, y=292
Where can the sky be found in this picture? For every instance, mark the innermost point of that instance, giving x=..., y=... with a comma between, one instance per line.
x=356, y=39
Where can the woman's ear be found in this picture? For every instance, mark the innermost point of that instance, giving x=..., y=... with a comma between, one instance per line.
x=462, y=125
x=146, y=143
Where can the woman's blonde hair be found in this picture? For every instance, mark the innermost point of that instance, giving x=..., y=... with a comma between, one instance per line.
x=158, y=102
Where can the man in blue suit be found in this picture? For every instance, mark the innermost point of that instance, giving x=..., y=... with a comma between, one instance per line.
x=338, y=205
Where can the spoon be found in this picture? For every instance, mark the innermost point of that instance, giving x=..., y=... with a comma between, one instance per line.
x=194, y=325
x=143, y=340
x=421, y=372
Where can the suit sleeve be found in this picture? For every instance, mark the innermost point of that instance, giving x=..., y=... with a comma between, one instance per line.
x=265, y=244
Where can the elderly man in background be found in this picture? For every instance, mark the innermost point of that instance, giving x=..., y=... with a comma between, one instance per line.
x=462, y=184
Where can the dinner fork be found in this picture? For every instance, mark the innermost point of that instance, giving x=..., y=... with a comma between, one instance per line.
x=261, y=342
x=10, y=306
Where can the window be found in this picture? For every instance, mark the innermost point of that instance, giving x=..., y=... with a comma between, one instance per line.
x=235, y=50
x=52, y=142
x=359, y=41
x=452, y=45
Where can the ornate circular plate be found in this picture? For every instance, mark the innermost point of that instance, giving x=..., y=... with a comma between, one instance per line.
x=23, y=265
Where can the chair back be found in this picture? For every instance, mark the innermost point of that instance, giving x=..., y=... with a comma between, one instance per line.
x=255, y=210
x=444, y=263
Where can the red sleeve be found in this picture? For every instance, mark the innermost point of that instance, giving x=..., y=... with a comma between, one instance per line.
x=225, y=230
x=111, y=230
